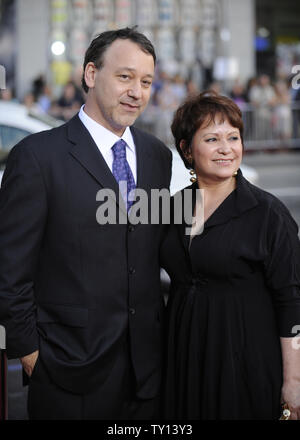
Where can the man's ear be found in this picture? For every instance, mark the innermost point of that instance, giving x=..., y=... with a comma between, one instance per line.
x=90, y=75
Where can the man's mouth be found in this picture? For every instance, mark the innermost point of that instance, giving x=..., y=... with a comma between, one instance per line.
x=130, y=107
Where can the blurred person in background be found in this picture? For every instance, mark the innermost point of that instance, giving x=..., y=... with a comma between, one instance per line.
x=68, y=104
x=296, y=113
x=215, y=86
x=282, y=116
x=235, y=281
x=251, y=83
x=76, y=78
x=7, y=94
x=179, y=87
x=238, y=95
x=38, y=99
x=41, y=93
x=168, y=99
x=80, y=295
x=159, y=78
x=262, y=97
x=191, y=88
x=248, y=116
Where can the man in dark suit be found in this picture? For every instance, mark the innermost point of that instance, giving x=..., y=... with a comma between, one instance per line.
x=81, y=300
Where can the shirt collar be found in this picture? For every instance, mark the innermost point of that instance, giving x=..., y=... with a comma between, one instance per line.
x=104, y=138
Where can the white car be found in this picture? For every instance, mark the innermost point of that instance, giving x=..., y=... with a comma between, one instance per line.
x=16, y=122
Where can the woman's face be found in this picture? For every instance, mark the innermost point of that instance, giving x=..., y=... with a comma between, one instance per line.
x=216, y=150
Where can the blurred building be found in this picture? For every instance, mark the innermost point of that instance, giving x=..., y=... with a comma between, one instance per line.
x=277, y=40
x=200, y=39
x=195, y=38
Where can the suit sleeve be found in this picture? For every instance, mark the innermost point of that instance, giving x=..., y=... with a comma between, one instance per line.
x=167, y=159
x=23, y=209
x=283, y=268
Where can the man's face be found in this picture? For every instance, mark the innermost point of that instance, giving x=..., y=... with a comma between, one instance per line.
x=120, y=89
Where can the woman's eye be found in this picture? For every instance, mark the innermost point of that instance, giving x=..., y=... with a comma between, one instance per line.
x=234, y=138
x=210, y=140
x=124, y=76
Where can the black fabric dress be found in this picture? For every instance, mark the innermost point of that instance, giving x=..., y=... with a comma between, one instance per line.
x=234, y=292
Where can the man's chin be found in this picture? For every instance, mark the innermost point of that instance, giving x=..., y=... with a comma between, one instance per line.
x=128, y=120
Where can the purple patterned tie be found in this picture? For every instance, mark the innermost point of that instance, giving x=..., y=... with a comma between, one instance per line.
x=121, y=169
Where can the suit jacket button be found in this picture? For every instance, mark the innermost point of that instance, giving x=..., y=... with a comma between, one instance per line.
x=131, y=270
x=132, y=311
x=131, y=228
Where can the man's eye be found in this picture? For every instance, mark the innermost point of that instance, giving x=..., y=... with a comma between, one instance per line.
x=124, y=76
x=147, y=83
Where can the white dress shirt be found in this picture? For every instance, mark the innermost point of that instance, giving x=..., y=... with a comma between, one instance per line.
x=105, y=139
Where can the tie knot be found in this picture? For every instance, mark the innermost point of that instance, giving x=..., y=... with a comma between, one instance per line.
x=119, y=149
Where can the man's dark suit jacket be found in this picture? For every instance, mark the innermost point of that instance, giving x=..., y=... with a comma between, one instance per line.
x=71, y=287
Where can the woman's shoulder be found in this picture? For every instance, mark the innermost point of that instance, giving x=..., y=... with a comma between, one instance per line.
x=266, y=198
x=269, y=203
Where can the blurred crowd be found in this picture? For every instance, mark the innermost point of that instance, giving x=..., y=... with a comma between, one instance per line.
x=271, y=109
x=41, y=100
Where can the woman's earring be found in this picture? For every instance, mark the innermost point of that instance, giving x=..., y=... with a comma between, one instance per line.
x=234, y=174
x=193, y=179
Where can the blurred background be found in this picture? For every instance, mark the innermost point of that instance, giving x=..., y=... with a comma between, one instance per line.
x=246, y=49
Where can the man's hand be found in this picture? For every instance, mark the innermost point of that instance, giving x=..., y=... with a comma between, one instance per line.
x=28, y=362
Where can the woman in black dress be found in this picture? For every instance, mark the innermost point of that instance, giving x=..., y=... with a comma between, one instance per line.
x=234, y=304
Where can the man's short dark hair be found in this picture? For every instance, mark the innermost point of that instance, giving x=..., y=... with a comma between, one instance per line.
x=101, y=43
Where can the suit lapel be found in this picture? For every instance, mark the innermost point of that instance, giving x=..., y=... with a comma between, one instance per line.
x=145, y=165
x=86, y=152
x=144, y=161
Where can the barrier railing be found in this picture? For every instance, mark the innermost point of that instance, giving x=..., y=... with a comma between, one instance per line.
x=276, y=127
x=265, y=128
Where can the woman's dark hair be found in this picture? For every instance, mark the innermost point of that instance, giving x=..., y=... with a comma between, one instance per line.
x=200, y=111
x=101, y=43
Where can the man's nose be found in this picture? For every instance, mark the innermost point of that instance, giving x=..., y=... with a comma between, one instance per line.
x=135, y=90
